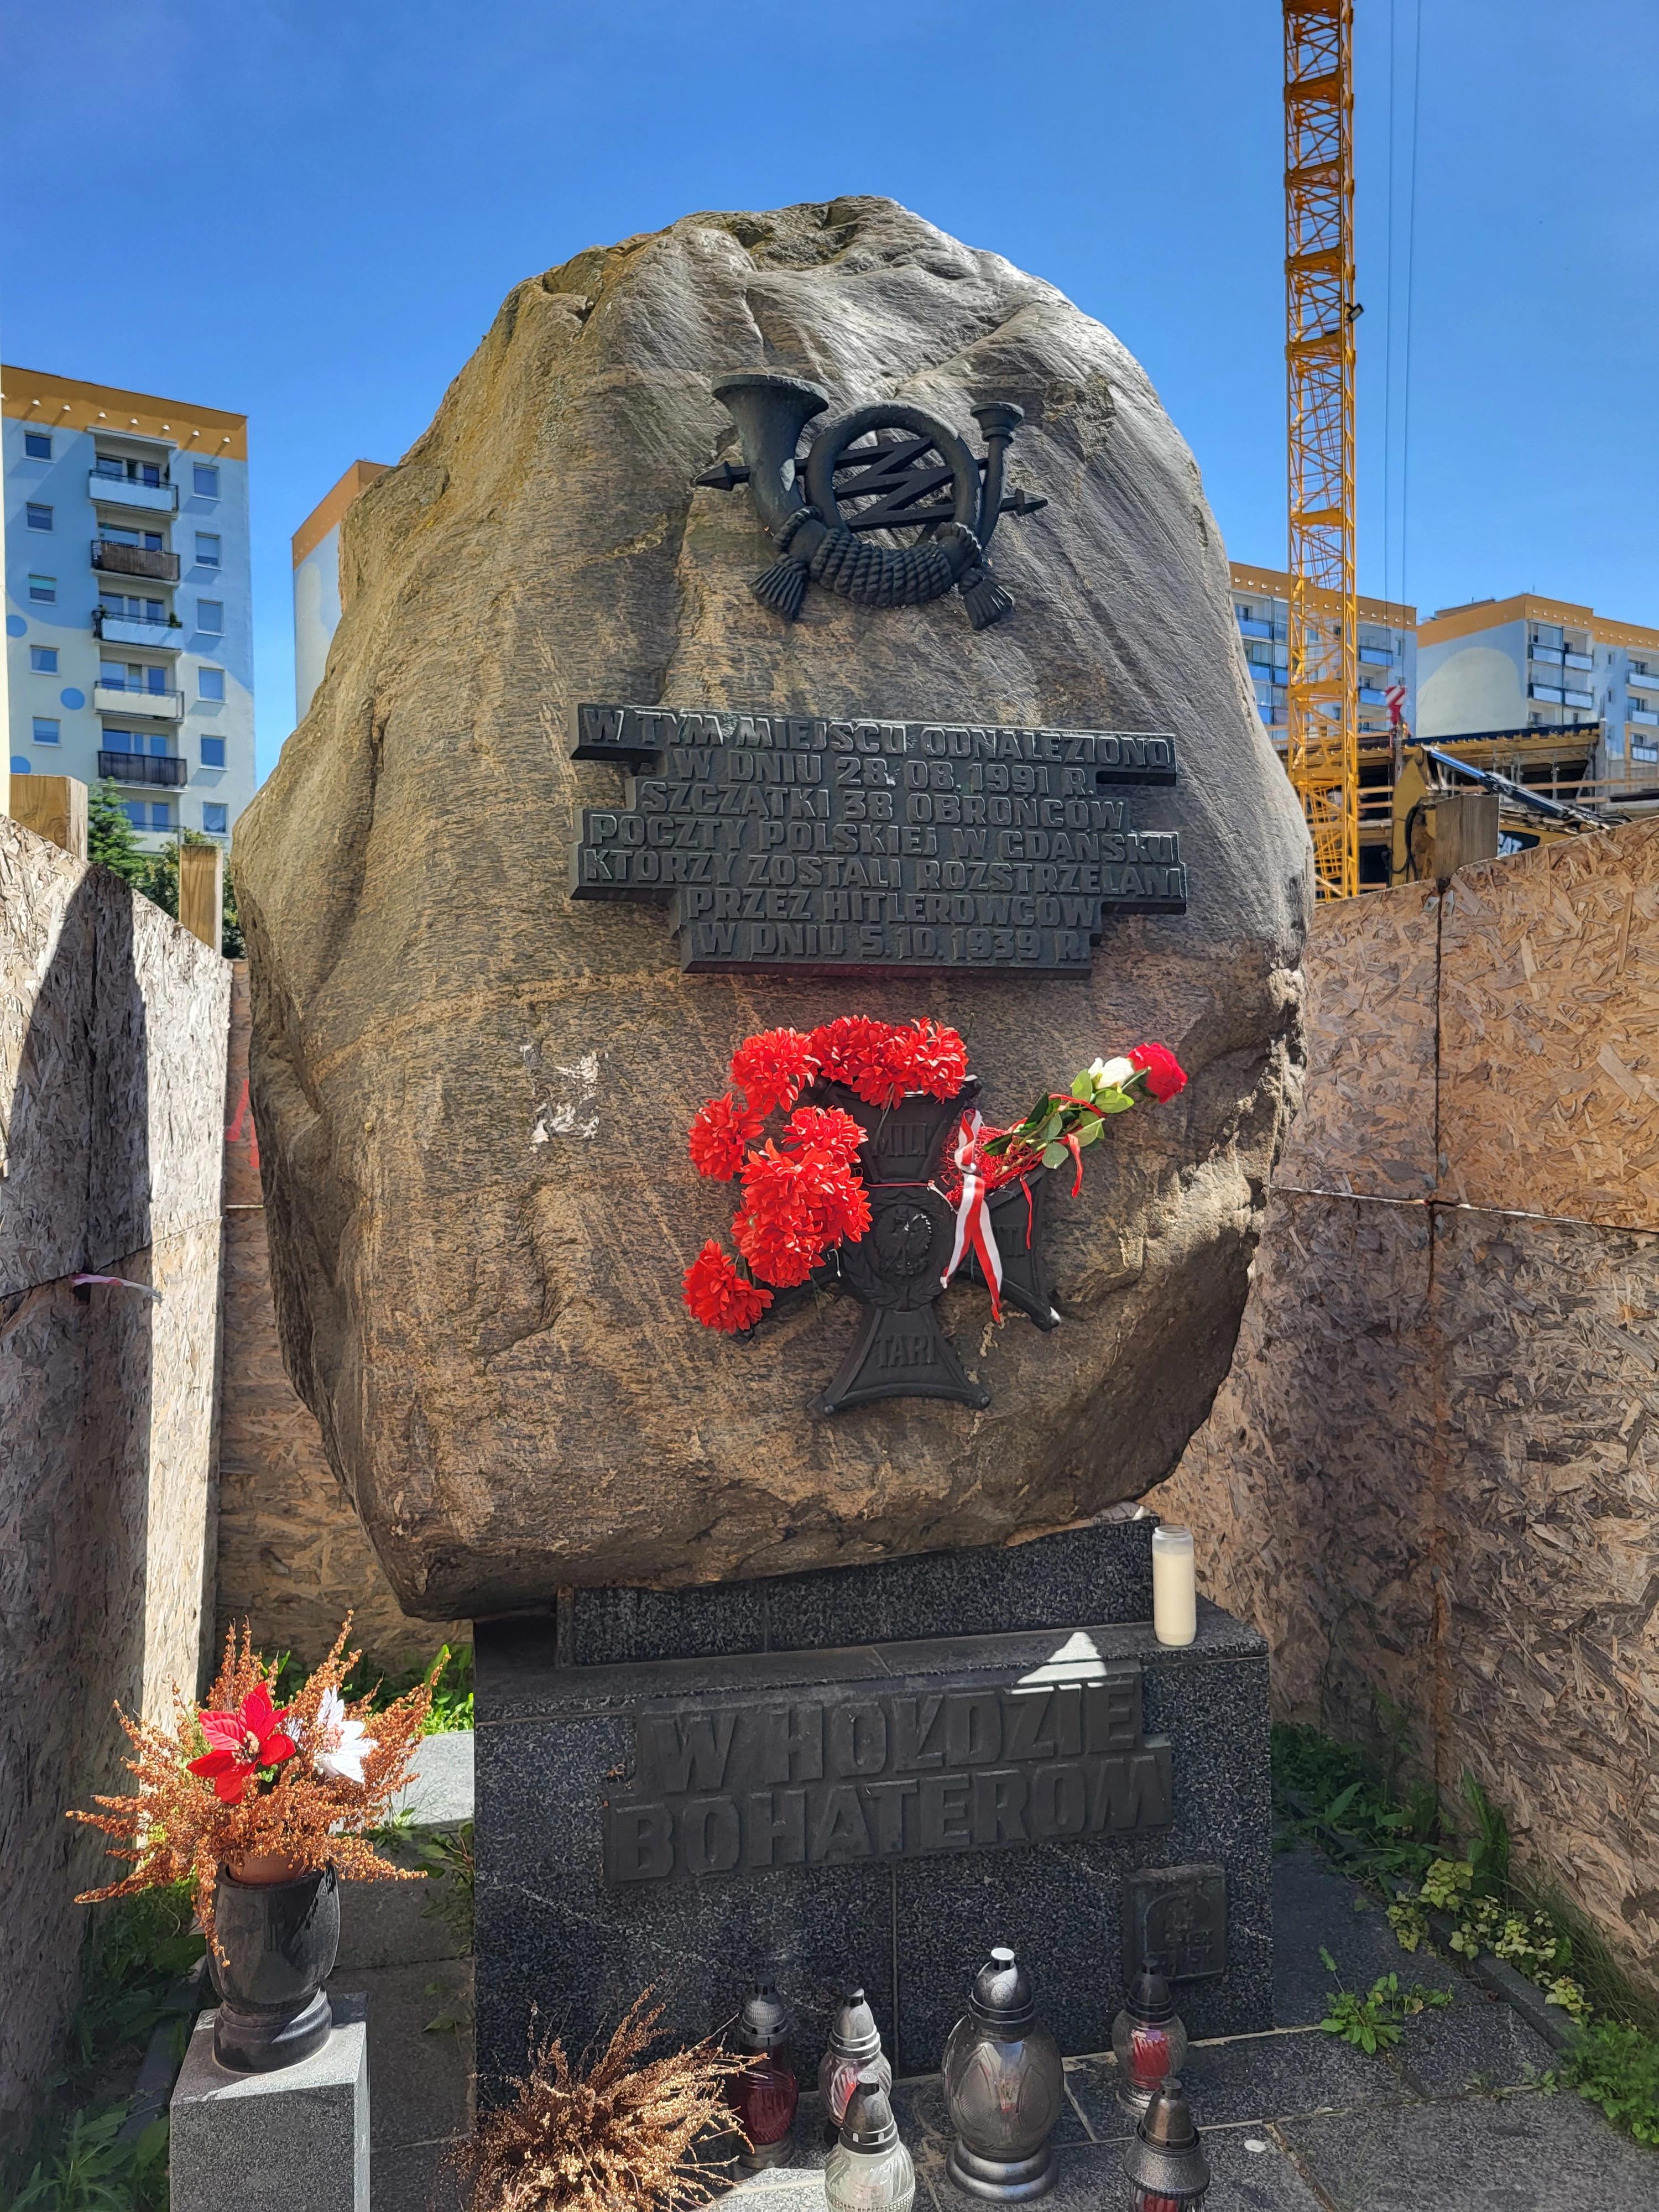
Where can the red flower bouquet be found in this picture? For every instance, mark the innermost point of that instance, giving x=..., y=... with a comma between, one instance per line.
x=803, y=1193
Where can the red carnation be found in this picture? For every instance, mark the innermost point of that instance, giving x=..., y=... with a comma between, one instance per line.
x=718, y=1136
x=1164, y=1074
x=852, y=1049
x=242, y=1743
x=826, y=1129
x=929, y=1057
x=718, y=1296
x=772, y=1068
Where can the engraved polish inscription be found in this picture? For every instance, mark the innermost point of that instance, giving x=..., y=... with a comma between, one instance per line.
x=740, y=1788
x=799, y=843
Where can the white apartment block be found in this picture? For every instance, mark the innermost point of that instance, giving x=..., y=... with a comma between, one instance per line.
x=129, y=613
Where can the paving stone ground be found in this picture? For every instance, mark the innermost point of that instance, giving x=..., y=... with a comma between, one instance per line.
x=1460, y=2116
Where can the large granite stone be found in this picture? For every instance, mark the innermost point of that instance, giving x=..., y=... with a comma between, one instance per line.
x=471, y=1092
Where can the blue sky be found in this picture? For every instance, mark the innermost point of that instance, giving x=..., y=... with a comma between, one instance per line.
x=310, y=212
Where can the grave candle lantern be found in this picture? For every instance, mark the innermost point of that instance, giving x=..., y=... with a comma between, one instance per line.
x=765, y=2095
x=853, y=2052
x=1148, y=2040
x=1174, y=1586
x=869, y=2170
x=1003, y=2084
x=1164, y=2159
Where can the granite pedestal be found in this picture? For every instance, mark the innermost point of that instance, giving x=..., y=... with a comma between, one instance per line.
x=293, y=2141
x=871, y=1775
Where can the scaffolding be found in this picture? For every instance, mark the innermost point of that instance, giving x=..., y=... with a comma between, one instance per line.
x=1323, y=709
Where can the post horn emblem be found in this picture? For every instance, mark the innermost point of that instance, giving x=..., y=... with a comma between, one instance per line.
x=889, y=468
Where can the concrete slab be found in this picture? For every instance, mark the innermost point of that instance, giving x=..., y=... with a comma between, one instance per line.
x=1520, y=2153
x=441, y=1794
x=392, y=1923
x=1252, y=2078
x=1478, y=2044
x=423, y=2076
x=1314, y=1905
x=419, y=2178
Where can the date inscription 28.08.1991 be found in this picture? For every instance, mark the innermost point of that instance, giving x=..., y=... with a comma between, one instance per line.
x=802, y=843
x=883, y=1773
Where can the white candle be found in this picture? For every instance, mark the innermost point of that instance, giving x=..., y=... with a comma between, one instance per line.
x=1175, y=1585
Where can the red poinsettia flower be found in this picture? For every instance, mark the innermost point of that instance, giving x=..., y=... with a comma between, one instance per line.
x=772, y=1068
x=718, y=1137
x=240, y=1743
x=824, y=1128
x=929, y=1057
x=1164, y=1074
x=718, y=1296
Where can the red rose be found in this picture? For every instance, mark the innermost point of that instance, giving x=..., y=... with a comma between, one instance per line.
x=718, y=1296
x=1163, y=1071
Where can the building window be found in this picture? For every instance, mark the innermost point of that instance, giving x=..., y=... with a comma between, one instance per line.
x=216, y=819
x=207, y=549
x=22, y=765
x=205, y=479
x=160, y=814
x=213, y=752
x=209, y=682
x=148, y=541
x=36, y=516
x=46, y=731
x=210, y=617
x=43, y=591
x=42, y=659
x=137, y=813
x=1644, y=753
x=37, y=445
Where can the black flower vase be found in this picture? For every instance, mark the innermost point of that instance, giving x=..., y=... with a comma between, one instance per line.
x=278, y=1940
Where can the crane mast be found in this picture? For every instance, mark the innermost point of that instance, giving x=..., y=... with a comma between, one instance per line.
x=1322, y=705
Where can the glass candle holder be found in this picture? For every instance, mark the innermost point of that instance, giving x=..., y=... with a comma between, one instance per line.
x=1003, y=2084
x=854, y=2052
x=869, y=2170
x=765, y=2096
x=1175, y=1585
x=1149, y=2041
x=1164, y=2159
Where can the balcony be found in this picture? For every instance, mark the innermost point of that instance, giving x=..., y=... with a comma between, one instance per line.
x=124, y=699
x=134, y=560
x=1579, y=698
x=1552, y=654
x=1641, y=714
x=112, y=490
x=1579, y=659
x=144, y=767
x=1648, y=679
x=1551, y=691
x=122, y=629
x=1249, y=628
x=1377, y=656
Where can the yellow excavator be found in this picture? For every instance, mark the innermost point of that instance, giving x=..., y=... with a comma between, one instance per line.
x=1447, y=812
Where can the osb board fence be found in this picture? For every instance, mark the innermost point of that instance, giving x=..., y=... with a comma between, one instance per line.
x=1432, y=1474
x=292, y=1558
x=112, y=1022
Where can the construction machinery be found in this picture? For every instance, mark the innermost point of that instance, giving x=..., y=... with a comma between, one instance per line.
x=1322, y=713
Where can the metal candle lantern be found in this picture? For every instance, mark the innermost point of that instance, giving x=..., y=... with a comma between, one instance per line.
x=1148, y=2041
x=869, y=2169
x=765, y=2095
x=854, y=2052
x=1164, y=2159
x=1003, y=2085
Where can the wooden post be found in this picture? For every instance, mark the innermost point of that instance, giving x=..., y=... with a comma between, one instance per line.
x=202, y=891
x=54, y=807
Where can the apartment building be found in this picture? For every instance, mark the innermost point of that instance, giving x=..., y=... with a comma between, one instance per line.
x=128, y=614
x=1527, y=663
x=316, y=545
x=1388, y=650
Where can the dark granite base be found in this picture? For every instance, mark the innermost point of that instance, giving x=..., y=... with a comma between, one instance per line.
x=555, y=1742
x=1103, y=1573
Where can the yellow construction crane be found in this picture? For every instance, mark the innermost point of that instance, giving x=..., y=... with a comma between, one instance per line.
x=1322, y=696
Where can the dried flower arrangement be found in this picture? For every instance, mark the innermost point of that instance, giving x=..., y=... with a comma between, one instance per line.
x=268, y=1794
x=616, y=2135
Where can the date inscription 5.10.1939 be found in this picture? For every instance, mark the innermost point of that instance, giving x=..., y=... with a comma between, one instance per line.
x=740, y=1788
x=806, y=844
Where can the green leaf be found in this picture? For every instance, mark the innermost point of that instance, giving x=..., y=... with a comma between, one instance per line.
x=1055, y=1156
x=1090, y=1132
x=1113, y=1102
x=1083, y=1086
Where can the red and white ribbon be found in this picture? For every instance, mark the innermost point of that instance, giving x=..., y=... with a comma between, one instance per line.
x=974, y=1231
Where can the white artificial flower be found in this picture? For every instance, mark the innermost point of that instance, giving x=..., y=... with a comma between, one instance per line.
x=1110, y=1075
x=340, y=1742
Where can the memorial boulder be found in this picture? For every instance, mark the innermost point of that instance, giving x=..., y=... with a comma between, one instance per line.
x=509, y=911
